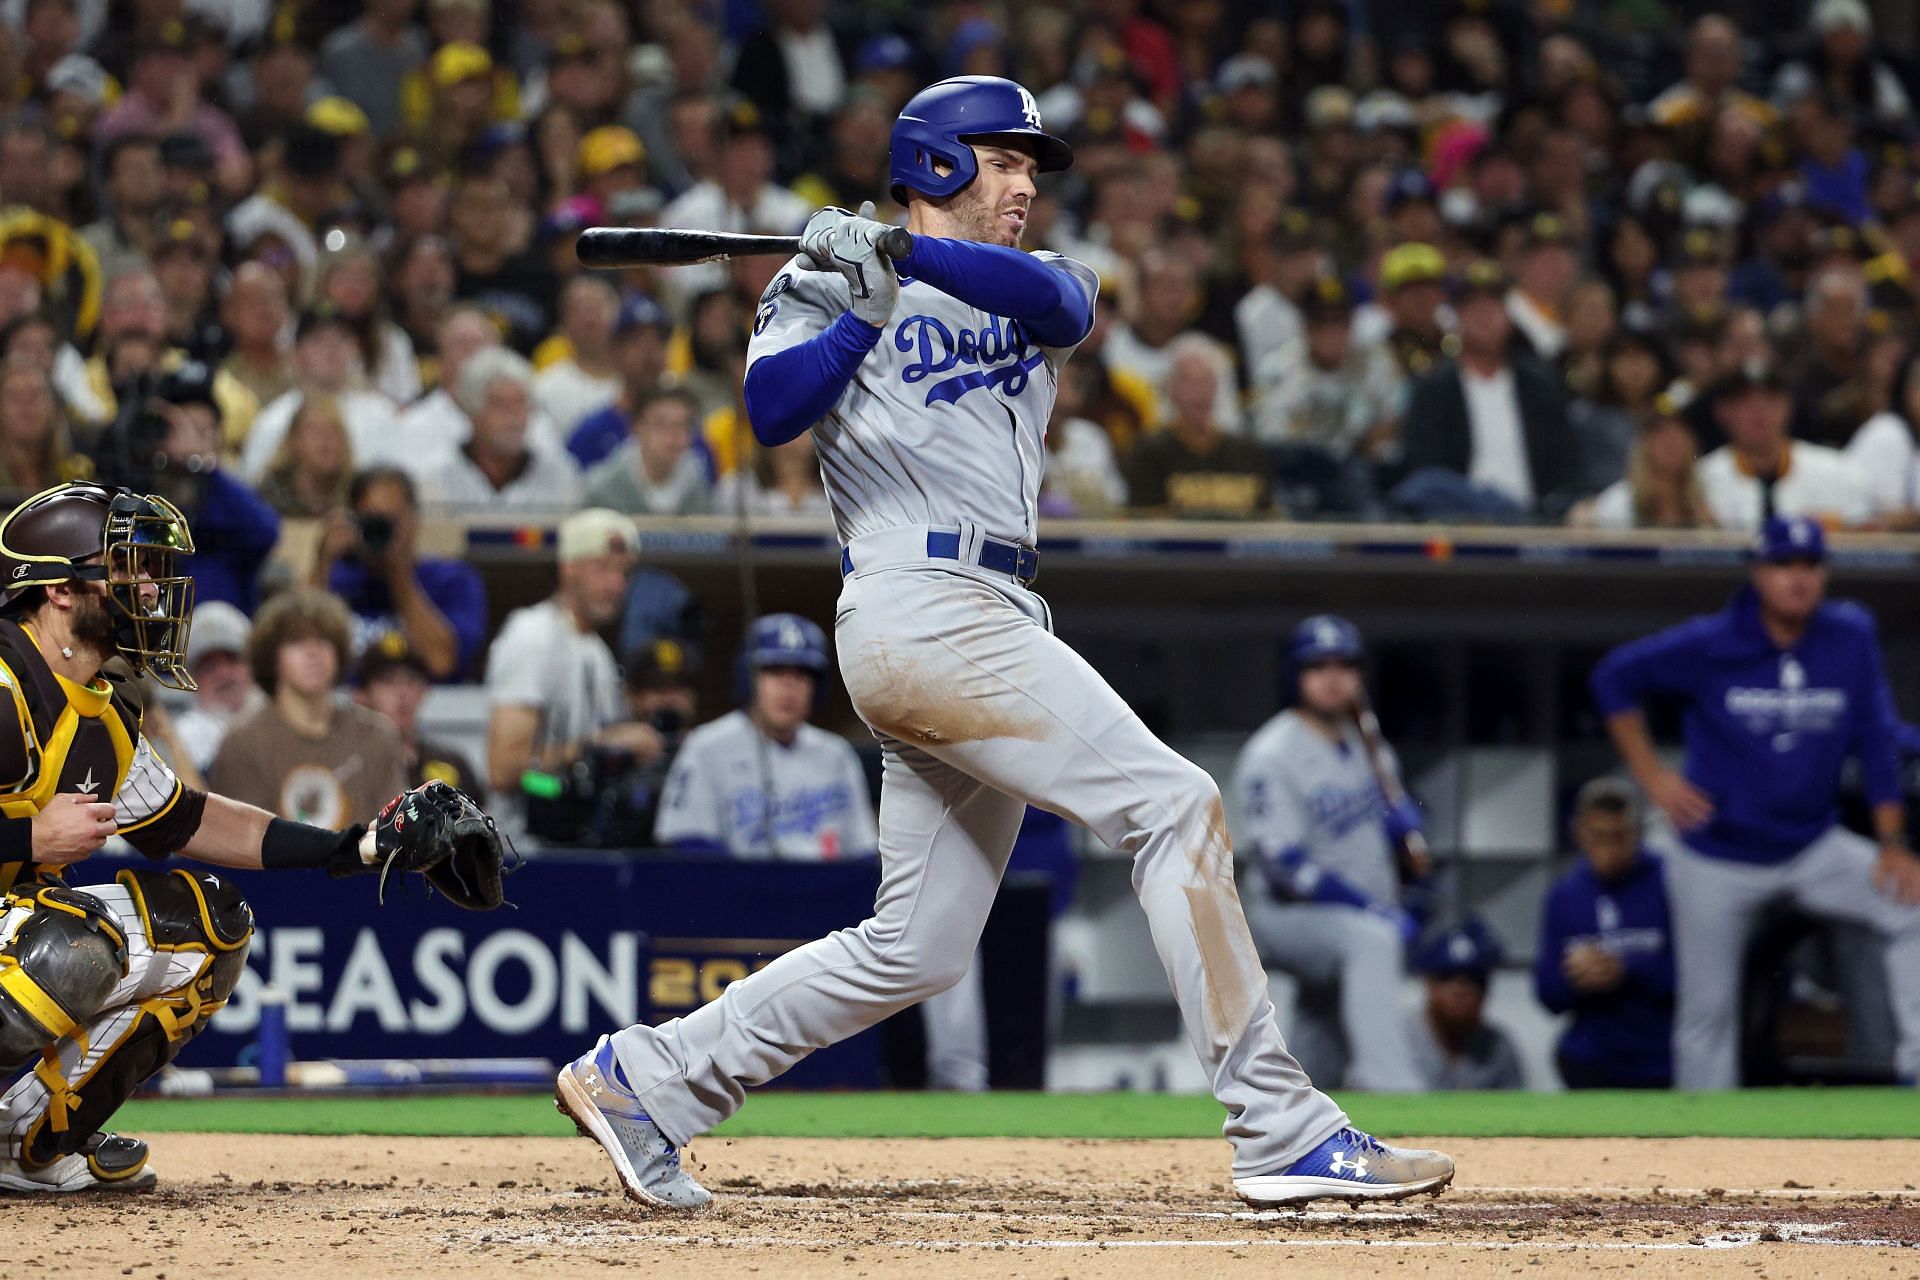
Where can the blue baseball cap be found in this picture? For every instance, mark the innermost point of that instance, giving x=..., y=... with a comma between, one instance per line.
x=1787, y=538
x=1468, y=950
x=1409, y=186
x=639, y=311
x=887, y=51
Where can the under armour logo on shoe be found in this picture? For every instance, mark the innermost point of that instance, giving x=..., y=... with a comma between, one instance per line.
x=1341, y=1165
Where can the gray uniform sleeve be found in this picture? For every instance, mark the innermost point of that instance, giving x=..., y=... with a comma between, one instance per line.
x=690, y=809
x=797, y=305
x=1269, y=815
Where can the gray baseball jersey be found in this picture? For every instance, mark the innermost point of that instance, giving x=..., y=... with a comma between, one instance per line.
x=946, y=420
x=1294, y=790
x=716, y=792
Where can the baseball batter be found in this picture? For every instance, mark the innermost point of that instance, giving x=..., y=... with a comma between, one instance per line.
x=927, y=385
x=1782, y=687
x=1308, y=805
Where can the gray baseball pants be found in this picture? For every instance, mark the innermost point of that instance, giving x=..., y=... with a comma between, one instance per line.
x=1716, y=903
x=982, y=710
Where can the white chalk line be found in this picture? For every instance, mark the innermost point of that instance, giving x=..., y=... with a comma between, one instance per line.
x=1716, y=1240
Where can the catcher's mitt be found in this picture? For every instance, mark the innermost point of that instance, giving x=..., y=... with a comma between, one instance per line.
x=440, y=832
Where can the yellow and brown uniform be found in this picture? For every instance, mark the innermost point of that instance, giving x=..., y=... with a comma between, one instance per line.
x=84, y=739
x=141, y=963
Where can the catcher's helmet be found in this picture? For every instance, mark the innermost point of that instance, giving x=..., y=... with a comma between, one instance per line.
x=937, y=123
x=131, y=542
x=1322, y=637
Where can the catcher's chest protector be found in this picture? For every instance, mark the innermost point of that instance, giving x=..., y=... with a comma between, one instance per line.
x=71, y=737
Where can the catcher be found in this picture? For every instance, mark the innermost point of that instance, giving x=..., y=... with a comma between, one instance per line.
x=101, y=985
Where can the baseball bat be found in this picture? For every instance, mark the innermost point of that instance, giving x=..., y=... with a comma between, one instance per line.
x=612, y=248
x=1414, y=856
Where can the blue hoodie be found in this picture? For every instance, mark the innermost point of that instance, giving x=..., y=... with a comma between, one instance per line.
x=1767, y=729
x=1624, y=1035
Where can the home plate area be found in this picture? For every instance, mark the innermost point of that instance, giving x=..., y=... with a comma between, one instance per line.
x=311, y=1206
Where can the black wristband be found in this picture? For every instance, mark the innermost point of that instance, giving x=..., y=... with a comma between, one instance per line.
x=16, y=839
x=295, y=844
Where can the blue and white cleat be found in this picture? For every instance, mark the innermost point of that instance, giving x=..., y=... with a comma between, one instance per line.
x=1351, y=1166
x=592, y=1092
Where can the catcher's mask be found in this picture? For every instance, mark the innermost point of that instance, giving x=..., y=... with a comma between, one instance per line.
x=129, y=541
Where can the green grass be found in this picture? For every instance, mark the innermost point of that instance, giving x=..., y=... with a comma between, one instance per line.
x=1771, y=1113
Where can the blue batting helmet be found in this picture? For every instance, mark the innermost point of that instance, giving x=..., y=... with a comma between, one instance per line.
x=937, y=122
x=1321, y=637
x=786, y=640
x=780, y=640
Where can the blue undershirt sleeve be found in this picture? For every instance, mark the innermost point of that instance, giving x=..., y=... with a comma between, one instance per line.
x=788, y=391
x=1045, y=298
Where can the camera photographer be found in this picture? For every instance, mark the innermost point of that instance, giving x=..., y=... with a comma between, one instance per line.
x=558, y=723
x=369, y=558
x=166, y=440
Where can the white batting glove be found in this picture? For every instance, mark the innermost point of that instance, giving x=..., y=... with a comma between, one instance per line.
x=836, y=240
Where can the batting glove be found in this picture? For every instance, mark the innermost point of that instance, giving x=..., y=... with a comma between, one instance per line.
x=836, y=240
x=1403, y=820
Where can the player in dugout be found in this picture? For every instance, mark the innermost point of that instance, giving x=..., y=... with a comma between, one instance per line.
x=1782, y=688
x=104, y=983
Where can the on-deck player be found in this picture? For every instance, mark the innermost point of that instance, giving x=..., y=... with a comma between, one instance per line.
x=1782, y=686
x=1307, y=802
x=928, y=392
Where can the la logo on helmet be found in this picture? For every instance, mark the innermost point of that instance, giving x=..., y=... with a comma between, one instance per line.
x=1029, y=108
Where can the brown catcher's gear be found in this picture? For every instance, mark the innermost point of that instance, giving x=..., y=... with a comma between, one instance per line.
x=98, y=533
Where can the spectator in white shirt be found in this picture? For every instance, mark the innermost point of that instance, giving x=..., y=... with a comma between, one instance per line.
x=1661, y=489
x=552, y=680
x=1082, y=477
x=1325, y=389
x=1886, y=457
x=499, y=466
x=1762, y=471
x=1159, y=313
x=1486, y=433
x=741, y=196
x=1283, y=268
x=436, y=423
x=217, y=660
x=588, y=379
x=1546, y=272
x=781, y=481
x=326, y=360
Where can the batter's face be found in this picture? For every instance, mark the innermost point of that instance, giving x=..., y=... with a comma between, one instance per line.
x=1790, y=592
x=1330, y=689
x=782, y=696
x=993, y=208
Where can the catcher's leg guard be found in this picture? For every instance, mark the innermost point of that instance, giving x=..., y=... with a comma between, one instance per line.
x=200, y=918
x=61, y=960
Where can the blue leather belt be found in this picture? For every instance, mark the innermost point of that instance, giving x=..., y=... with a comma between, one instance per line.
x=1019, y=563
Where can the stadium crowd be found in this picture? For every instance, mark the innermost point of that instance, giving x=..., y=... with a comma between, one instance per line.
x=310, y=264
x=1477, y=260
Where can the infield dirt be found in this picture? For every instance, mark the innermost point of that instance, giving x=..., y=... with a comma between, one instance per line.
x=294, y=1208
